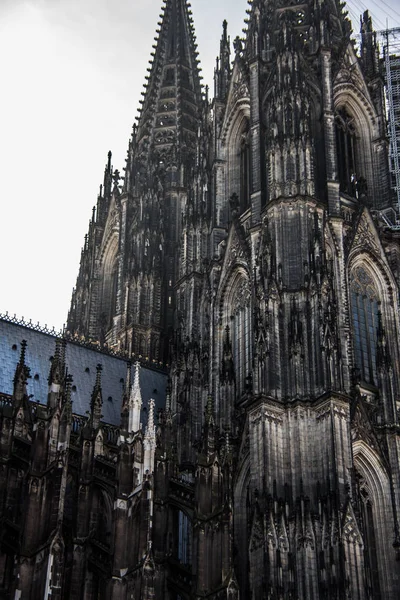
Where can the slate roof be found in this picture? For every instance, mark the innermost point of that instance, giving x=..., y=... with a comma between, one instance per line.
x=81, y=363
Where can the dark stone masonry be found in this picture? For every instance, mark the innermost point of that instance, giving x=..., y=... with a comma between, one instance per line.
x=221, y=417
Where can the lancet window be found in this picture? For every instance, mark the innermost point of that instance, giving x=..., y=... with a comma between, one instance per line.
x=346, y=151
x=368, y=515
x=240, y=329
x=113, y=299
x=244, y=171
x=364, y=311
x=109, y=299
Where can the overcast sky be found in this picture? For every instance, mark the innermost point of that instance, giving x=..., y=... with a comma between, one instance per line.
x=72, y=74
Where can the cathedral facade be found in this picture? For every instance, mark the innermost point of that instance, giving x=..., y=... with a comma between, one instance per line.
x=249, y=248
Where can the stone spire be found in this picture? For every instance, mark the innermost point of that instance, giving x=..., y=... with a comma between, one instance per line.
x=96, y=401
x=168, y=121
x=135, y=402
x=150, y=440
x=57, y=373
x=222, y=71
x=22, y=373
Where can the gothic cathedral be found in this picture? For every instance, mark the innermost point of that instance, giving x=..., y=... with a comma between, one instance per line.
x=248, y=247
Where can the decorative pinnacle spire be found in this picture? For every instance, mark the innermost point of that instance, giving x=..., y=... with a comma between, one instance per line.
x=99, y=369
x=168, y=402
x=210, y=410
x=135, y=401
x=150, y=441
x=128, y=381
x=151, y=429
x=23, y=353
x=57, y=365
x=96, y=399
x=22, y=373
x=68, y=387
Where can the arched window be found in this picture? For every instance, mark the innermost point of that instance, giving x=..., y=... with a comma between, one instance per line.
x=370, y=541
x=113, y=298
x=376, y=512
x=110, y=287
x=237, y=143
x=346, y=151
x=244, y=171
x=240, y=329
x=364, y=312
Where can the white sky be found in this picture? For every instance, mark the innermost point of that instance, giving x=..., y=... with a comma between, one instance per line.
x=72, y=74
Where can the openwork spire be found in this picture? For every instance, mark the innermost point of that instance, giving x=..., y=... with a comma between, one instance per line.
x=168, y=121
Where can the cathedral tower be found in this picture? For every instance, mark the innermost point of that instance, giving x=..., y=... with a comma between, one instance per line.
x=246, y=247
x=125, y=290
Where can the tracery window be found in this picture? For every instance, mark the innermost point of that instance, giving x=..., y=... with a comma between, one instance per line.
x=346, y=151
x=364, y=312
x=240, y=328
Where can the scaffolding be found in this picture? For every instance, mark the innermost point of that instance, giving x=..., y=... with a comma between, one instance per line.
x=391, y=57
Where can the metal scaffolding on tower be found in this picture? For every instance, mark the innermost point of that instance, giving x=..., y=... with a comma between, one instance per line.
x=391, y=57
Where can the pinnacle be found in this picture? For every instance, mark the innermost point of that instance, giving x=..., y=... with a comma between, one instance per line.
x=97, y=385
x=150, y=429
x=23, y=353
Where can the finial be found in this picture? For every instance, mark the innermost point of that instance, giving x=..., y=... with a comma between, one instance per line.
x=109, y=160
x=116, y=177
x=225, y=29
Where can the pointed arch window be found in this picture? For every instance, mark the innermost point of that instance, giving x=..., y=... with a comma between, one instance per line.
x=109, y=293
x=370, y=542
x=240, y=328
x=346, y=151
x=364, y=312
x=244, y=171
x=114, y=288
